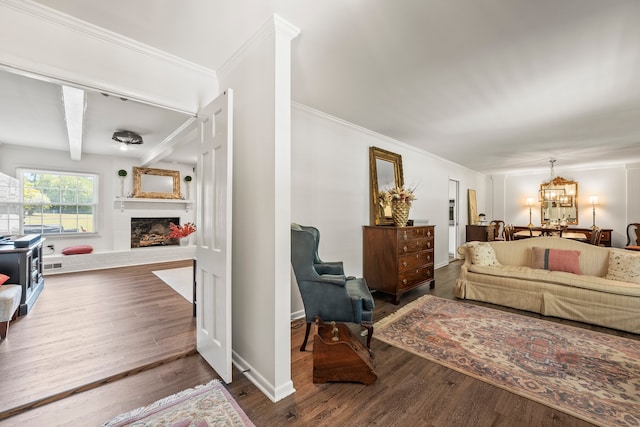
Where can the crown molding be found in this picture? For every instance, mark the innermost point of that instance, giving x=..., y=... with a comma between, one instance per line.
x=275, y=25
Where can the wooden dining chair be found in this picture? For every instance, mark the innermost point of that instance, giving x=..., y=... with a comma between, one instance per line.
x=498, y=229
x=509, y=232
x=594, y=238
x=633, y=237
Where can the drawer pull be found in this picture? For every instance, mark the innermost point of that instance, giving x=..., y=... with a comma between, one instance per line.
x=404, y=236
x=404, y=281
x=429, y=245
x=404, y=249
x=404, y=263
x=428, y=233
x=428, y=258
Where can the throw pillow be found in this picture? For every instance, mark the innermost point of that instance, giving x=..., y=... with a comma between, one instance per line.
x=482, y=253
x=75, y=250
x=624, y=267
x=3, y=279
x=556, y=260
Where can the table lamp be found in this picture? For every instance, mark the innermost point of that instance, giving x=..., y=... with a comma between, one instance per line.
x=593, y=200
x=530, y=204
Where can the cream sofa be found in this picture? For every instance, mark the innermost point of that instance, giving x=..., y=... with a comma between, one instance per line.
x=590, y=297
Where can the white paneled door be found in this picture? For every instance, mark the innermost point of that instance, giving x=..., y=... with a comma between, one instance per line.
x=213, y=252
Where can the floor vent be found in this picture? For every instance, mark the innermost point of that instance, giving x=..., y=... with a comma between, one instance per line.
x=53, y=266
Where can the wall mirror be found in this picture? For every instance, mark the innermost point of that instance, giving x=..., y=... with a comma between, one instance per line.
x=385, y=172
x=152, y=183
x=558, y=201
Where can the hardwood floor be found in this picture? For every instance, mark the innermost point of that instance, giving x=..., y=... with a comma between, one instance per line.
x=89, y=328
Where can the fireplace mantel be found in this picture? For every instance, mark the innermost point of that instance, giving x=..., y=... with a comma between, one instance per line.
x=124, y=201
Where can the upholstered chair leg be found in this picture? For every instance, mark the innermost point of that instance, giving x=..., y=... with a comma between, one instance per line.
x=4, y=327
x=306, y=337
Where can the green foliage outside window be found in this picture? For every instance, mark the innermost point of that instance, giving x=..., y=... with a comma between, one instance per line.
x=55, y=202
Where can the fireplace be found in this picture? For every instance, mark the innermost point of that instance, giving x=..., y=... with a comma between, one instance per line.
x=147, y=232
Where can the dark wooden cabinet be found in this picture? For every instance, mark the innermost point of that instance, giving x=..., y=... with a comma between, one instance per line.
x=23, y=265
x=398, y=259
x=480, y=233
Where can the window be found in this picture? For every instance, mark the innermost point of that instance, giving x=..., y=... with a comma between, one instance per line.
x=58, y=202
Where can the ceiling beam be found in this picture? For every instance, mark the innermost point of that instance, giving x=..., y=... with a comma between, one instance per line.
x=74, y=107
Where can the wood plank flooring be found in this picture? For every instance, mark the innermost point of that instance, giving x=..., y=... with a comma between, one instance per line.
x=148, y=333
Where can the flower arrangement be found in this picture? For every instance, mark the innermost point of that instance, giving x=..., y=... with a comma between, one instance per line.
x=397, y=194
x=180, y=231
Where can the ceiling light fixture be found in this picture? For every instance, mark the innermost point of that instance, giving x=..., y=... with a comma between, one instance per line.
x=74, y=105
x=127, y=137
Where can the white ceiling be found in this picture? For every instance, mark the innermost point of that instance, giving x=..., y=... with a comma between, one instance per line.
x=494, y=85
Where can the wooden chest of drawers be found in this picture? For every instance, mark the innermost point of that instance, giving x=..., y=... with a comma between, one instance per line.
x=398, y=259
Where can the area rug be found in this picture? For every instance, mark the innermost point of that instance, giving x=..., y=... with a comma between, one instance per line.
x=589, y=375
x=203, y=406
x=179, y=279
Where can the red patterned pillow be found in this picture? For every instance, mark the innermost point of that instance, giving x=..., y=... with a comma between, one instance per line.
x=556, y=260
x=75, y=250
x=3, y=278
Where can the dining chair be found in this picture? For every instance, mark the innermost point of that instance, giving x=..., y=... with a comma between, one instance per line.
x=498, y=229
x=633, y=237
x=596, y=235
x=509, y=233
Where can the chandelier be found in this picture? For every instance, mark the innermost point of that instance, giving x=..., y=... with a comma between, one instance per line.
x=553, y=190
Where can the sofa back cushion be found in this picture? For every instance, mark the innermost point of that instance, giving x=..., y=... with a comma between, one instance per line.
x=624, y=266
x=594, y=260
x=556, y=260
x=483, y=254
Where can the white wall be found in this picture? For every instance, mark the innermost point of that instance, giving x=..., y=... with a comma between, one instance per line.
x=260, y=76
x=330, y=187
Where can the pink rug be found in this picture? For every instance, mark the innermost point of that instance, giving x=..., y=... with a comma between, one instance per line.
x=203, y=406
x=590, y=375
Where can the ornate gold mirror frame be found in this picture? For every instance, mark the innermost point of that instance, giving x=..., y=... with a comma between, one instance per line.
x=559, y=200
x=152, y=183
x=385, y=172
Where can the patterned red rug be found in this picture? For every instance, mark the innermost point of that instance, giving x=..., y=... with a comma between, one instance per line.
x=206, y=405
x=590, y=375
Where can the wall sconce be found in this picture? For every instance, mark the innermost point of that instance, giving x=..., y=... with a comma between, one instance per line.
x=530, y=204
x=593, y=200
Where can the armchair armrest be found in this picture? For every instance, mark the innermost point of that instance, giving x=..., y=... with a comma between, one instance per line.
x=334, y=279
x=334, y=267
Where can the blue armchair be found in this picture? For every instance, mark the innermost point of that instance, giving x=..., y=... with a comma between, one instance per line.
x=326, y=292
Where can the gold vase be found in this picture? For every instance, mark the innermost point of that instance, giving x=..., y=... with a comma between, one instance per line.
x=400, y=213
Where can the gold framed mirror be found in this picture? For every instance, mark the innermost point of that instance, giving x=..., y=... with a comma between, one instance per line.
x=150, y=183
x=559, y=202
x=385, y=172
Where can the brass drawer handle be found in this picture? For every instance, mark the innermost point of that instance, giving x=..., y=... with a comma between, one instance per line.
x=429, y=245
x=404, y=249
x=404, y=281
x=404, y=263
x=428, y=258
